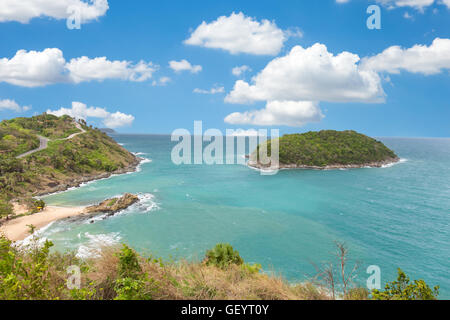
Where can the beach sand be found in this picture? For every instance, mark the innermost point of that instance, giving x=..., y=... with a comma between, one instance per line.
x=16, y=229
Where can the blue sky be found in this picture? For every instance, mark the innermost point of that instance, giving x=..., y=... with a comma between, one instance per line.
x=293, y=95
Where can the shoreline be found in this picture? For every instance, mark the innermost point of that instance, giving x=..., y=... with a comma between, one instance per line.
x=377, y=164
x=17, y=229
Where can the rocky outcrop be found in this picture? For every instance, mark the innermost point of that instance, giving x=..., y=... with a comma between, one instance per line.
x=113, y=205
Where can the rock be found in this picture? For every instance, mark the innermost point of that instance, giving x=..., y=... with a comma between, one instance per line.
x=113, y=205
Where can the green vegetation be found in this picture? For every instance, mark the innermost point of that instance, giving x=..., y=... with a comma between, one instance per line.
x=35, y=272
x=404, y=289
x=61, y=163
x=222, y=255
x=329, y=147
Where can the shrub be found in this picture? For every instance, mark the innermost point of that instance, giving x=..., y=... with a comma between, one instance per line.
x=132, y=284
x=404, y=289
x=128, y=263
x=222, y=255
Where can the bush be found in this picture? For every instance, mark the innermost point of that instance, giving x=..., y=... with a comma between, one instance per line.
x=132, y=284
x=222, y=255
x=36, y=205
x=403, y=289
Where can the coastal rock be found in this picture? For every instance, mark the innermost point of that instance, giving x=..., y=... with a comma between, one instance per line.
x=113, y=205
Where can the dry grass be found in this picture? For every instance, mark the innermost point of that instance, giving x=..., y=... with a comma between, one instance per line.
x=197, y=281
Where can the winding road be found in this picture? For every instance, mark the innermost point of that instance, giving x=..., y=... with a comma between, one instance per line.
x=43, y=141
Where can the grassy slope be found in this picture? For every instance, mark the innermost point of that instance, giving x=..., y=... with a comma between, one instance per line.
x=329, y=147
x=85, y=155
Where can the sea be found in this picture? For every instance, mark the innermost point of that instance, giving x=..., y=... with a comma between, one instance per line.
x=396, y=216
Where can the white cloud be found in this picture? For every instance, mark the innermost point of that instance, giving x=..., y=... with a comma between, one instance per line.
x=287, y=113
x=447, y=3
x=424, y=59
x=84, y=69
x=406, y=15
x=242, y=133
x=238, y=71
x=239, y=34
x=162, y=81
x=7, y=104
x=213, y=90
x=184, y=65
x=417, y=4
x=311, y=74
x=34, y=68
x=80, y=110
x=25, y=10
x=40, y=68
x=118, y=119
x=342, y=1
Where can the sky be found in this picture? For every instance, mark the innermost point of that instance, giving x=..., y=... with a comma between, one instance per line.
x=153, y=67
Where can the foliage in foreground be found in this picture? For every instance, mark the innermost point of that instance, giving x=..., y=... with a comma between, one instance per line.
x=121, y=274
x=404, y=289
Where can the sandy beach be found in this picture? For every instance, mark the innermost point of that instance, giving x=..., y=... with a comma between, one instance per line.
x=16, y=229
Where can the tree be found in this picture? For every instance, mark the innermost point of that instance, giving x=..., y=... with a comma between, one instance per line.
x=404, y=289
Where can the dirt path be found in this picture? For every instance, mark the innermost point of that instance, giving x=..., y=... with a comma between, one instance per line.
x=43, y=141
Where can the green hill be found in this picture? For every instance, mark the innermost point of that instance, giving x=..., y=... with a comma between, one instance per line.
x=330, y=149
x=66, y=161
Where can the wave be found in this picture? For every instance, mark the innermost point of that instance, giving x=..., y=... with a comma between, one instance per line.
x=143, y=161
x=95, y=242
x=402, y=160
x=36, y=238
x=146, y=202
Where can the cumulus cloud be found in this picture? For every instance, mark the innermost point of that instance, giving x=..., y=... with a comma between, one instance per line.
x=213, y=90
x=118, y=119
x=238, y=71
x=7, y=104
x=239, y=34
x=287, y=113
x=85, y=69
x=184, y=65
x=40, y=68
x=80, y=110
x=423, y=59
x=34, y=68
x=24, y=10
x=311, y=74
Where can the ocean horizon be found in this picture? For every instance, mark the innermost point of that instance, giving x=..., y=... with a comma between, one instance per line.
x=394, y=217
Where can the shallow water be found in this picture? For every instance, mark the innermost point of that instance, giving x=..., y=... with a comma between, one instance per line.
x=397, y=216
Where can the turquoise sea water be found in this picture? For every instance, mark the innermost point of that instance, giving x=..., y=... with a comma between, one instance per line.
x=392, y=217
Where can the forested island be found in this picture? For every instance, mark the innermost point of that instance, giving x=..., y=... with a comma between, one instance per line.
x=328, y=149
